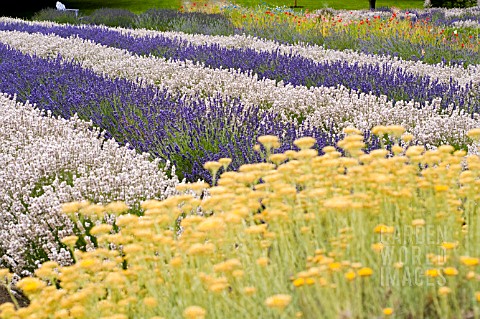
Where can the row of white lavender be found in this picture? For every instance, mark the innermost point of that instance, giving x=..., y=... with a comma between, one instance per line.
x=442, y=72
x=47, y=161
x=324, y=107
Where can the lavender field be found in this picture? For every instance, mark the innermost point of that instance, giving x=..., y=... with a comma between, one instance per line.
x=263, y=164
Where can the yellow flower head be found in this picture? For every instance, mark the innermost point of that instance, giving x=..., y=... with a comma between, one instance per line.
x=350, y=275
x=194, y=312
x=418, y=222
x=474, y=134
x=304, y=142
x=432, y=273
x=279, y=301
x=384, y=229
x=31, y=285
x=70, y=241
x=262, y=261
x=249, y=291
x=387, y=311
x=117, y=208
x=450, y=271
x=299, y=282
x=378, y=247
x=469, y=261
x=150, y=302
x=365, y=272
x=448, y=245
x=444, y=291
x=269, y=141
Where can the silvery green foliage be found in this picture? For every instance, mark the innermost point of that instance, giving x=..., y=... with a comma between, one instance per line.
x=327, y=107
x=47, y=161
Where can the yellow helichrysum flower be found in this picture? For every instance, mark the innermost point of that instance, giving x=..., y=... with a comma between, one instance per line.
x=350, y=275
x=304, y=142
x=395, y=130
x=269, y=141
x=150, y=302
x=365, y=272
x=379, y=130
x=212, y=166
x=446, y=149
x=477, y=296
x=469, y=261
x=132, y=248
x=194, y=312
x=474, y=134
x=396, y=149
x=117, y=208
x=339, y=203
x=101, y=229
x=176, y=261
x=387, y=311
x=124, y=220
x=444, y=291
x=115, y=279
x=8, y=310
x=378, y=247
x=278, y=158
x=279, y=301
x=93, y=210
x=334, y=266
x=470, y=275
x=418, y=222
x=328, y=149
x=31, y=285
x=227, y=266
x=432, y=272
x=225, y=162
x=384, y=229
x=299, y=282
x=309, y=281
x=70, y=241
x=212, y=224
x=351, y=130
x=450, y=271
x=78, y=311
x=4, y=272
x=398, y=265
x=441, y=188
x=201, y=249
x=73, y=207
x=249, y=291
x=256, y=229
x=413, y=151
x=262, y=261
x=407, y=137
x=448, y=245
x=218, y=287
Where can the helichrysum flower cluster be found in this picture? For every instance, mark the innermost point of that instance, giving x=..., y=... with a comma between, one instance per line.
x=302, y=235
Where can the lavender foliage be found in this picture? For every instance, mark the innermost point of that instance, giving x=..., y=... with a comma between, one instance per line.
x=392, y=82
x=111, y=17
x=188, y=132
x=188, y=22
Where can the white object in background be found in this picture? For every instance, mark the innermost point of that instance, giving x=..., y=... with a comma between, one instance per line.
x=61, y=7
